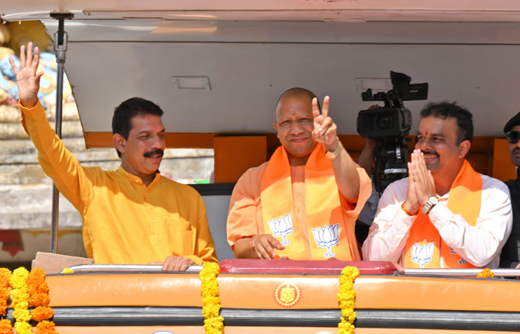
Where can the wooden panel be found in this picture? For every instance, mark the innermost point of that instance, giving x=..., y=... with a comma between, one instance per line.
x=236, y=154
x=503, y=168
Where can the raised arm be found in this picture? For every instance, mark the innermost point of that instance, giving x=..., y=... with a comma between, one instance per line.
x=56, y=161
x=325, y=131
x=27, y=78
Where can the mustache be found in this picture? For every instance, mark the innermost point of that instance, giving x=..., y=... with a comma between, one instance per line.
x=516, y=149
x=430, y=153
x=149, y=154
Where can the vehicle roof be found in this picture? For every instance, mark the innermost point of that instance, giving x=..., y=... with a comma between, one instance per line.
x=252, y=51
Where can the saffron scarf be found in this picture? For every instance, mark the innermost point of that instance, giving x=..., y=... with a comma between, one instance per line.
x=425, y=247
x=327, y=229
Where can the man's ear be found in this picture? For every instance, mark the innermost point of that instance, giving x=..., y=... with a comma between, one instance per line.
x=119, y=142
x=276, y=128
x=464, y=148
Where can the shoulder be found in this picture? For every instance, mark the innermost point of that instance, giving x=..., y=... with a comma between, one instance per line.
x=253, y=175
x=490, y=183
x=493, y=188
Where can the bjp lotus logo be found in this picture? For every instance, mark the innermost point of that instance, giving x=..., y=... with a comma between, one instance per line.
x=422, y=254
x=281, y=227
x=327, y=237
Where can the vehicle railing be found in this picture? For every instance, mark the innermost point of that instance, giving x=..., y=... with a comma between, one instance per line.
x=89, y=268
x=197, y=268
x=459, y=272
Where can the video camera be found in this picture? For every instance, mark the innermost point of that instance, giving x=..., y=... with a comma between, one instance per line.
x=393, y=119
x=390, y=124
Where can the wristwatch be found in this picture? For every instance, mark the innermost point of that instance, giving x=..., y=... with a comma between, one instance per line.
x=432, y=201
x=332, y=155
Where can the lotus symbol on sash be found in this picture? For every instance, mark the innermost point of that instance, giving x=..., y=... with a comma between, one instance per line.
x=422, y=254
x=327, y=237
x=281, y=227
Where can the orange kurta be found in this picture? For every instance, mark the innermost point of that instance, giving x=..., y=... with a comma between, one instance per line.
x=124, y=222
x=246, y=218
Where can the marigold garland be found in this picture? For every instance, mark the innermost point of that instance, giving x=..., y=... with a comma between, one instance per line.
x=6, y=327
x=45, y=327
x=486, y=273
x=346, y=299
x=39, y=298
x=213, y=323
x=20, y=296
x=5, y=292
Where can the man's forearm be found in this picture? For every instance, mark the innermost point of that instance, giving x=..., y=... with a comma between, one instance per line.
x=243, y=250
x=347, y=177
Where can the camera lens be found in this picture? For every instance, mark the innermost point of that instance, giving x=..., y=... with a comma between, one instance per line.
x=384, y=122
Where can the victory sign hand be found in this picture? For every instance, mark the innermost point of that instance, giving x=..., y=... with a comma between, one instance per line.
x=325, y=131
x=27, y=79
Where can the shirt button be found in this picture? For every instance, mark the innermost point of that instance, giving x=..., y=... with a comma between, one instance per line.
x=297, y=195
x=151, y=207
x=137, y=180
x=298, y=210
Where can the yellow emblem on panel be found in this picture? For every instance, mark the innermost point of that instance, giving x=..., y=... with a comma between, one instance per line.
x=287, y=295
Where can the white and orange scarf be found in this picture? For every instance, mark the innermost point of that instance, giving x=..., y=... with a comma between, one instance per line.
x=329, y=235
x=425, y=247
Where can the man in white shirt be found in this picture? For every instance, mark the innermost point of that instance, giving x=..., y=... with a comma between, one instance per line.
x=444, y=215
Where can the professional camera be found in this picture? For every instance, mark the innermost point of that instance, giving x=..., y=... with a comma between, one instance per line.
x=390, y=124
x=393, y=119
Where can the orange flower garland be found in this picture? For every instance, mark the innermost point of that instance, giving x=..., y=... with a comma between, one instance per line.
x=5, y=292
x=39, y=298
x=6, y=327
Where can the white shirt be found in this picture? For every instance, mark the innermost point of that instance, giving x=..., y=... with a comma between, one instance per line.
x=480, y=245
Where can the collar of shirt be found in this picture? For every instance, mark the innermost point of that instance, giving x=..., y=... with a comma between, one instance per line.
x=136, y=179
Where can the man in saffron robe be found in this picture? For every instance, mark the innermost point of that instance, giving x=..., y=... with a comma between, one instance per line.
x=304, y=202
x=444, y=215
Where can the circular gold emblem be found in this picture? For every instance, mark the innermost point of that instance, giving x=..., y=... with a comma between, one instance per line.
x=287, y=295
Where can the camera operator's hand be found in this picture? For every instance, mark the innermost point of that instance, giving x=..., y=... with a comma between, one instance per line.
x=366, y=158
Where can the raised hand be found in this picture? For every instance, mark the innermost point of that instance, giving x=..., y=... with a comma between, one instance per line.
x=412, y=203
x=28, y=80
x=325, y=131
x=422, y=178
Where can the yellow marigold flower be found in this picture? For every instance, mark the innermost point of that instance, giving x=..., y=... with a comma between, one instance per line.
x=22, y=315
x=23, y=327
x=18, y=278
x=68, y=271
x=486, y=273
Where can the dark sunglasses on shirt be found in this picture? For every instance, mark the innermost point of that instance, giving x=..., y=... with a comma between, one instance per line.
x=513, y=137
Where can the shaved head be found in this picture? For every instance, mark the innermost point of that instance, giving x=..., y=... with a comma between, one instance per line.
x=296, y=92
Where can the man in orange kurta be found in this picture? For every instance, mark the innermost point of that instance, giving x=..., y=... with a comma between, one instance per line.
x=132, y=215
x=304, y=202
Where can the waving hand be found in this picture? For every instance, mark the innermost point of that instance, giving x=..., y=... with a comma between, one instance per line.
x=27, y=79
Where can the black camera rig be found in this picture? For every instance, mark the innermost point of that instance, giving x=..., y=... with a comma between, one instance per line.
x=390, y=124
